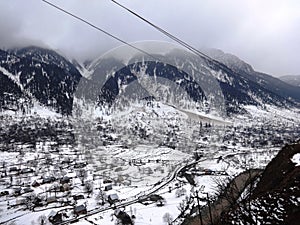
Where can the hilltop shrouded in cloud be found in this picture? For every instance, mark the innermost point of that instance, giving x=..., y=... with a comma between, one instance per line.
x=265, y=34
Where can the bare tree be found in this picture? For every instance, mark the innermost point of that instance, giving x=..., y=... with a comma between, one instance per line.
x=30, y=200
x=89, y=187
x=82, y=175
x=180, y=192
x=185, y=205
x=226, y=189
x=42, y=220
x=101, y=197
x=234, y=193
x=55, y=187
x=167, y=218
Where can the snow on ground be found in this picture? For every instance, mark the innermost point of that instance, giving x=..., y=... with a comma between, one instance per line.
x=142, y=152
x=140, y=167
x=44, y=111
x=37, y=110
x=273, y=113
x=296, y=159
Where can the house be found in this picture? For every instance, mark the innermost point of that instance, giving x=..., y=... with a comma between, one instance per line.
x=65, y=180
x=160, y=201
x=80, y=210
x=38, y=201
x=20, y=201
x=55, y=217
x=17, y=191
x=27, y=170
x=108, y=187
x=27, y=190
x=155, y=198
x=208, y=172
x=13, y=169
x=80, y=165
x=48, y=180
x=65, y=187
x=113, y=198
x=106, y=181
x=35, y=183
x=51, y=199
x=77, y=197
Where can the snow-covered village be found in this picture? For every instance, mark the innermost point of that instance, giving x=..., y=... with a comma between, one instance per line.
x=128, y=112
x=131, y=169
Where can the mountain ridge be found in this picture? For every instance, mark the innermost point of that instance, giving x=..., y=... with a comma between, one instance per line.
x=276, y=85
x=47, y=76
x=293, y=80
x=53, y=80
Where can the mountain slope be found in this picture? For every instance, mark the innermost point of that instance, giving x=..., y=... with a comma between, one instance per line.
x=291, y=79
x=11, y=95
x=179, y=77
x=47, y=76
x=266, y=81
x=224, y=83
x=275, y=200
x=165, y=74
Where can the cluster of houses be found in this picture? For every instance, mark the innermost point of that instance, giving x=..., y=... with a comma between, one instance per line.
x=40, y=176
x=30, y=197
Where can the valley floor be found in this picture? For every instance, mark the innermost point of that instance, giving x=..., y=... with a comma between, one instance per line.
x=153, y=168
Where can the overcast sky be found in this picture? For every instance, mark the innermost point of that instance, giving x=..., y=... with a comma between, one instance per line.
x=264, y=33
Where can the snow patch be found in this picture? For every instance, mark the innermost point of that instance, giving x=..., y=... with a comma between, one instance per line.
x=12, y=77
x=296, y=159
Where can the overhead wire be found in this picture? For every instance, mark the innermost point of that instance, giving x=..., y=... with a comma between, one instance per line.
x=159, y=29
x=99, y=29
x=179, y=41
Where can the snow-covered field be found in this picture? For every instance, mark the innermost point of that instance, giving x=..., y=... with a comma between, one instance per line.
x=138, y=154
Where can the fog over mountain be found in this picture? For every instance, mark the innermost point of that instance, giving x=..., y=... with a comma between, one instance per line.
x=291, y=79
x=265, y=34
x=35, y=74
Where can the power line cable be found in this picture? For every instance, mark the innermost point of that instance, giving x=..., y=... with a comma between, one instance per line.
x=98, y=28
x=189, y=47
x=179, y=41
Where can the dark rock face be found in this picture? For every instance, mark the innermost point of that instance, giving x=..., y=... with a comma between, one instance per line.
x=281, y=173
x=275, y=200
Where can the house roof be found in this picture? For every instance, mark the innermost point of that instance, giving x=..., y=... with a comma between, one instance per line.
x=114, y=197
x=79, y=208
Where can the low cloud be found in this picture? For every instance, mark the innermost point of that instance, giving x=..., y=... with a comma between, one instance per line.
x=263, y=33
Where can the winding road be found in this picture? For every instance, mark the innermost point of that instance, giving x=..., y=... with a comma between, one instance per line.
x=127, y=203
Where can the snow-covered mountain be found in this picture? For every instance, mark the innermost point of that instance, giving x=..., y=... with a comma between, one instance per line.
x=239, y=84
x=232, y=61
x=272, y=84
x=180, y=78
x=291, y=79
x=38, y=74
